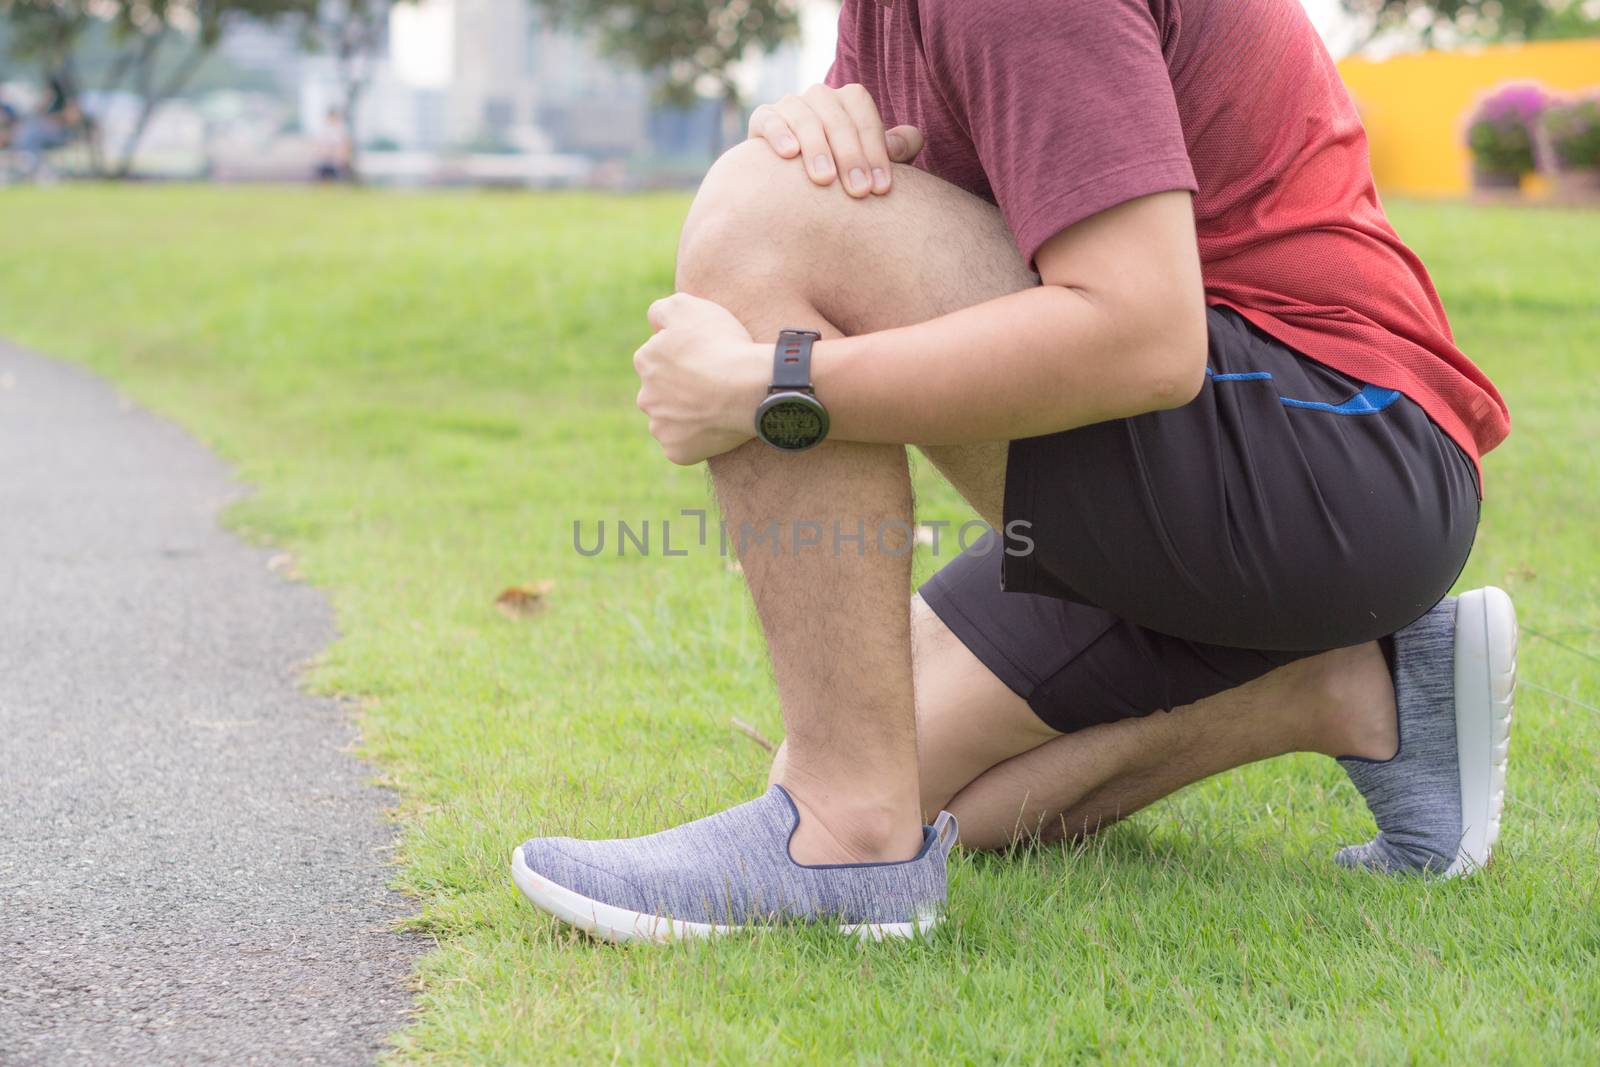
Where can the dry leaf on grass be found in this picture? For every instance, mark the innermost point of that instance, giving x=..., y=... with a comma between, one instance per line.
x=521, y=601
x=752, y=733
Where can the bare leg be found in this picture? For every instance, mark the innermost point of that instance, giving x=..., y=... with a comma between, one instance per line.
x=776, y=251
x=837, y=629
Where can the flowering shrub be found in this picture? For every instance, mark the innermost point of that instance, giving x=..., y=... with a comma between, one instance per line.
x=1572, y=130
x=1501, y=129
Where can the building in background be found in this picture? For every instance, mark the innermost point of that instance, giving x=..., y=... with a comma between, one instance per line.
x=492, y=75
x=275, y=51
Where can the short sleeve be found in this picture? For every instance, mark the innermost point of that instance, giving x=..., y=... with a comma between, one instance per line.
x=846, y=64
x=1068, y=102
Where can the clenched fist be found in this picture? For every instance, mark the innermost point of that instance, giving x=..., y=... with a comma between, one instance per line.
x=701, y=378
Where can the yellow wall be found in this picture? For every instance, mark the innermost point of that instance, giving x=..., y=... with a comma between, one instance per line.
x=1413, y=105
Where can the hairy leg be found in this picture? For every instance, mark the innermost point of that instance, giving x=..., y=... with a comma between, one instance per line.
x=837, y=634
x=775, y=250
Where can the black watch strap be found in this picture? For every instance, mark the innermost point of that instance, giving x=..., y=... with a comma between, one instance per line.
x=791, y=360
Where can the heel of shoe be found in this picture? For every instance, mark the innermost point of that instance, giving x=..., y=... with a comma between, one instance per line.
x=1485, y=687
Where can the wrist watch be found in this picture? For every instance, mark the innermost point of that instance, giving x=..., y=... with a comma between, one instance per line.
x=791, y=417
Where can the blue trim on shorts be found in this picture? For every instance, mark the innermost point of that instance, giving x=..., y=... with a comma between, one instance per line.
x=1369, y=401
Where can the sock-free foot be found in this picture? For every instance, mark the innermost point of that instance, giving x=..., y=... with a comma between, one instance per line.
x=728, y=872
x=1438, y=801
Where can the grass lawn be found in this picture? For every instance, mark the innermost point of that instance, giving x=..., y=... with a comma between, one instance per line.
x=430, y=389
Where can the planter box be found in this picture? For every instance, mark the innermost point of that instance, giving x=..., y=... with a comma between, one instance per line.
x=1495, y=181
x=1578, y=183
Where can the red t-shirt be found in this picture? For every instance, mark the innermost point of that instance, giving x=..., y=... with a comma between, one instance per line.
x=1057, y=109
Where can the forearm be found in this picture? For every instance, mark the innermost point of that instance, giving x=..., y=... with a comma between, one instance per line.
x=1035, y=362
x=1117, y=329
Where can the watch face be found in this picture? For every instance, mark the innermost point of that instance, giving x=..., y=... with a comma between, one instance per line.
x=792, y=421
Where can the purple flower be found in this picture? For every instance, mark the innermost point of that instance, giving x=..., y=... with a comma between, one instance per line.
x=1514, y=102
x=1501, y=128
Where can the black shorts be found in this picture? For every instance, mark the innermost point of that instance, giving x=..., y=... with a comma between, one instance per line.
x=1288, y=510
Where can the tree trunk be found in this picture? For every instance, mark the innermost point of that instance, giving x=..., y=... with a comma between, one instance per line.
x=124, y=167
x=143, y=69
x=115, y=75
x=152, y=100
x=352, y=100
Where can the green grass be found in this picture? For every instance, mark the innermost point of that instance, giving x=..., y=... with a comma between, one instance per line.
x=429, y=389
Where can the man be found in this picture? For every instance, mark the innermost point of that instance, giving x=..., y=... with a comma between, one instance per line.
x=1138, y=301
x=52, y=128
x=333, y=147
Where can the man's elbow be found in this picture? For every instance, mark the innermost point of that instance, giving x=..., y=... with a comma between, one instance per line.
x=1177, y=361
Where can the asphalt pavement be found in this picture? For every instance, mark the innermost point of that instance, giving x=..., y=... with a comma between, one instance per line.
x=192, y=862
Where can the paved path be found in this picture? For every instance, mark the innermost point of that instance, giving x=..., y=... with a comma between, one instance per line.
x=191, y=863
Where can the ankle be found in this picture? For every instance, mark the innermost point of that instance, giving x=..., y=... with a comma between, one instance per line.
x=1356, y=705
x=854, y=828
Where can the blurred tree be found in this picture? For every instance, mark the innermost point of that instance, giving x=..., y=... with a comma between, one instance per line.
x=158, y=47
x=47, y=33
x=1483, y=20
x=690, y=45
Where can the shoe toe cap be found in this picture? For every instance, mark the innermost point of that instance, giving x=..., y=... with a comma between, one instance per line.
x=562, y=860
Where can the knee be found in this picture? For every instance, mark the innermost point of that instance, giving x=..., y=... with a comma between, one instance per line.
x=755, y=214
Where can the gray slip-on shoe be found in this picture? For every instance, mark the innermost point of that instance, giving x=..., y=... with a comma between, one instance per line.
x=1438, y=801
x=730, y=872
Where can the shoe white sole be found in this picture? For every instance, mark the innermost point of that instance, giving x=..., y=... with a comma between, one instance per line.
x=610, y=923
x=1485, y=686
